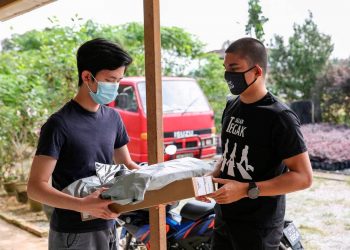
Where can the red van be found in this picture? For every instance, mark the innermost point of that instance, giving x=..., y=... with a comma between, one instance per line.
x=188, y=118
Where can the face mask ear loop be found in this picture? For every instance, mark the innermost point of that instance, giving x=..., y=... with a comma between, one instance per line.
x=94, y=78
x=250, y=84
x=249, y=69
x=87, y=84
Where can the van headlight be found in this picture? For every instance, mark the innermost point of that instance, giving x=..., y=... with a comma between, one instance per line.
x=208, y=141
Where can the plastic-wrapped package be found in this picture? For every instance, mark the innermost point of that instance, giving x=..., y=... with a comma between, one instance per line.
x=129, y=187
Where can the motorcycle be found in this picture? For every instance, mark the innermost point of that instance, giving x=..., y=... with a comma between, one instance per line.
x=291, y=238
x=188, y=230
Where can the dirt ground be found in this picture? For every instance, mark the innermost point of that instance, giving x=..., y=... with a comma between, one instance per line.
x=21, y=212
x=322, y=214
x=14, y=238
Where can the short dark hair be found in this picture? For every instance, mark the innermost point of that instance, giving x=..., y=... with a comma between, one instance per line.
x=99, y=54
x=251, y=50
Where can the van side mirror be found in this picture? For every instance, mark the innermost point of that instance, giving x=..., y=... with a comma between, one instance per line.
x=122, y=101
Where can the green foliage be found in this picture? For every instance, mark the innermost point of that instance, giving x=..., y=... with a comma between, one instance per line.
x=336, y=93
x=210, y=77
x=296, y=66
x=38, y=73
x=255, y=20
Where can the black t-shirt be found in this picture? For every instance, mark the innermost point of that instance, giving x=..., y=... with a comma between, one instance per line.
x=255, y=139
x=78, y=138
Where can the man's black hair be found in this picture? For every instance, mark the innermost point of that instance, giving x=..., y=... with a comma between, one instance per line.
x=251, y=50
x=99, y=54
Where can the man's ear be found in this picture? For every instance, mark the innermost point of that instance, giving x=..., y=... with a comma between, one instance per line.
x=259, y=70
x=86, y=76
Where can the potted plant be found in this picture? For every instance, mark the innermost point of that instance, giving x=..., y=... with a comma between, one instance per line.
x=22, y=152
x=9, y=179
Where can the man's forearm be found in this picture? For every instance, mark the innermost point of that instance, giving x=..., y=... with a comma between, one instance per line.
x=132, y=165
x=46, y=194
x=286, y=183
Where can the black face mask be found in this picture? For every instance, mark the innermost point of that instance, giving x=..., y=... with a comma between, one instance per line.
x=236, y=81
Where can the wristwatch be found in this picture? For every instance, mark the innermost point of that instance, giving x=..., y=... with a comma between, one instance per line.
x=253, y=190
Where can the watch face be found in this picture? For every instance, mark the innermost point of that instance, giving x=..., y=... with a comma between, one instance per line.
x=253, y=193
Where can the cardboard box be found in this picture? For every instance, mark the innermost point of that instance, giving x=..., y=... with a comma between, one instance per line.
x=177, y=190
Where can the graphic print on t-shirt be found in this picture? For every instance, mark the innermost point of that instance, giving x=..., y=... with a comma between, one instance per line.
x=236, y=127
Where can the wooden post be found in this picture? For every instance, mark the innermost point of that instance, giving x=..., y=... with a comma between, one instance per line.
x=154, y=112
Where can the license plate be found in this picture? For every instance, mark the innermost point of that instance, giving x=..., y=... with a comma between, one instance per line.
x=183, y=155
x=183, y=134
x=292, y=234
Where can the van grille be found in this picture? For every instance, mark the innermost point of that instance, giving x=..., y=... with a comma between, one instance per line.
x=191, y=144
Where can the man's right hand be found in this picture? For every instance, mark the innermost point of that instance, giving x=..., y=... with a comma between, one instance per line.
x=97, y=207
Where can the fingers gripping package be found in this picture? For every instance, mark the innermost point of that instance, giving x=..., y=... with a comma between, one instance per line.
x=149, y=186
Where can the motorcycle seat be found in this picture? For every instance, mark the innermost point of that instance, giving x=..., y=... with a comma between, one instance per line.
x=195, y=210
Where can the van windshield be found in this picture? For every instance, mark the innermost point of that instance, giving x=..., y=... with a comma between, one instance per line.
x=179, y=96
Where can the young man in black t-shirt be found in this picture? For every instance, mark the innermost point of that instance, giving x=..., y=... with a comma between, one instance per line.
x=264, y=156
x=82, y=132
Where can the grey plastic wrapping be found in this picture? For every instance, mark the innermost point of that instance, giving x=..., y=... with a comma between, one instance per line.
x=129, y=187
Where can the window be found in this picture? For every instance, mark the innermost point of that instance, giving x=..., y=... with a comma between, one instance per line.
x=179, y=96
x=126, y=99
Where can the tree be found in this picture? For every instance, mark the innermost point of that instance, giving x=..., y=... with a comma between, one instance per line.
x=336, y=92
x=296, y=66
x=210, y=76
x=255, y=20
x=38, y=72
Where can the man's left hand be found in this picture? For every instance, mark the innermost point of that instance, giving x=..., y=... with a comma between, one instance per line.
x=231, y=191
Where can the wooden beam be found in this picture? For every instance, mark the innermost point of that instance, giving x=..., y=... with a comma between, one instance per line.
x=12, y=8
x=154, y=111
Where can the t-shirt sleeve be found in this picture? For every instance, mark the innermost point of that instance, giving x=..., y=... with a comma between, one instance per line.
x=122, y=137
x=288, y=138
x=51, y=138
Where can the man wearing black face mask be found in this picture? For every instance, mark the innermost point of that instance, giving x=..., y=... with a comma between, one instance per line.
x=265, y=156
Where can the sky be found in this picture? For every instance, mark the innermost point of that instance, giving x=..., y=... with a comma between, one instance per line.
x=213, y=22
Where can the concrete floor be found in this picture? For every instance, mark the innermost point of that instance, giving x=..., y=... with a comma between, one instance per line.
x=14, y=238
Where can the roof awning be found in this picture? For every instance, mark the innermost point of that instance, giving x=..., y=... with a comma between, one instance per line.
x=12, y=8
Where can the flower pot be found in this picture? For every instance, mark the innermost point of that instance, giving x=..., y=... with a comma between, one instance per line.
x=10, y=187
x=35, y=206
x=21, y=192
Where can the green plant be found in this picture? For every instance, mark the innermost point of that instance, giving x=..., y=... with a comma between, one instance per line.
x=9, y=173
x=256, y=20
x=296, y=65
x=38, y=72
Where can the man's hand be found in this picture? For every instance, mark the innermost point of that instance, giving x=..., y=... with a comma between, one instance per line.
x=231, y=191
x=97, y=207
x=203, y=198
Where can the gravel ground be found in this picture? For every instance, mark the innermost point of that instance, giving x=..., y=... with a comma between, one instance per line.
x=322, y=213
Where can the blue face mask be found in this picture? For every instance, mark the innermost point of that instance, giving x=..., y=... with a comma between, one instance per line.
x=106, y=92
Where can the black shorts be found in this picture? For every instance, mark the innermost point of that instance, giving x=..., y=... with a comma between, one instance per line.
x=237, y=236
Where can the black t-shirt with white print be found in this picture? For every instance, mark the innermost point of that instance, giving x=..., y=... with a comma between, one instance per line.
x=255, y=139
